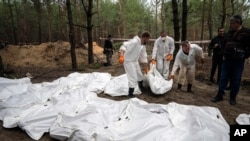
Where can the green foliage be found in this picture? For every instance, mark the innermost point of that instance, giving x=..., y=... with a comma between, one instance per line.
x=135, y=15
x=117, y=46
x=95, y=65
x=82, y=66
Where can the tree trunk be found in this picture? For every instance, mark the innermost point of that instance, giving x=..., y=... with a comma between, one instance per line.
x=98, y=20
x=49, y=18
x=71, y=35
x=233, y=7
x=210, y=24
x=184, y=20
x=121, y=26
x=89, y=28
x=12, y=23
x=224, y=12
x=38, y=8
x=156, y=16
x=88, y=9
x=176, y=25
x=203, y=21
x=163, y=15
x=156, y=3
x=1, y=67
x=210, y=19
x=25, y=25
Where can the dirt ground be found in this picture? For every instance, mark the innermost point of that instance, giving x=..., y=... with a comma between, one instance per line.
x=49, y=61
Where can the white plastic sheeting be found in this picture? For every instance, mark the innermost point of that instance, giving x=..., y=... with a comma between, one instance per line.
x=243, y=119
x=118, y=86
x=68, y=108
x=157, y=83
x=11, y=87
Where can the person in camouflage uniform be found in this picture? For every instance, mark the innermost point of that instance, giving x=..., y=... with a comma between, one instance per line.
x=108, y=50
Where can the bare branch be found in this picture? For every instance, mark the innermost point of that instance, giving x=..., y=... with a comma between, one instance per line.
x=84, y=6
x=83, y=26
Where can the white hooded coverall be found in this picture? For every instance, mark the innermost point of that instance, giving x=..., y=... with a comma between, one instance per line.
x=186, y=63
x=160, y=51
x=133, y=51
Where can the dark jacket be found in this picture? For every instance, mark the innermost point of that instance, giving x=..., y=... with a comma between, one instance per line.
x=218, y=51
x=108, y=47
x=237, y=44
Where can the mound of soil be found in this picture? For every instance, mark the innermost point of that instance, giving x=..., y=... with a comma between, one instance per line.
x=47, y=55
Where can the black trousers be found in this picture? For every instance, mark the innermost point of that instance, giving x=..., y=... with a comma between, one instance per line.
x=216, y=62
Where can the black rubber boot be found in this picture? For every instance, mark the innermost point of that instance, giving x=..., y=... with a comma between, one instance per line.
x=189, y=88
x=140, y=84
x=178, y=88
x=130, y=92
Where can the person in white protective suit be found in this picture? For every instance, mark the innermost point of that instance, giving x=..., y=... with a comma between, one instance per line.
x=186, y=60
x=163, y=53
x=130, y=52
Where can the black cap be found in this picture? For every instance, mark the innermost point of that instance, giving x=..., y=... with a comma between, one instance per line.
x=109, y=36
x=236, y=18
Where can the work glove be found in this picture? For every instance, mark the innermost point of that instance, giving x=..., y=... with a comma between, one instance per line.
x=169, y=57
x=171, y=77
x=153, y=62
x=146, y=70
x=121, y=59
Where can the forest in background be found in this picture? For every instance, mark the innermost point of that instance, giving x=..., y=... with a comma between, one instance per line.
x=37, y=21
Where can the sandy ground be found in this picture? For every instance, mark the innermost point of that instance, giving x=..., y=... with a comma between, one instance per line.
x=50, y=61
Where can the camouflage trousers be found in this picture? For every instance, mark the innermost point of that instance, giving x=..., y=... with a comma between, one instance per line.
x=109, y=57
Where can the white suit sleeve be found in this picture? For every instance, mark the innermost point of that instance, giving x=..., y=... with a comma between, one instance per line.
x=199, y=51
x=143, y=55
x=124, y=46
x=171, y=45
x=176, y=63
x=155, y=49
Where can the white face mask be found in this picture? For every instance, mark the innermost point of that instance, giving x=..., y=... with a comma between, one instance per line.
x=163, y=39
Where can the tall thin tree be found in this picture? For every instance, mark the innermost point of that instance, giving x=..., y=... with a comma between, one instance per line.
x=156, y=3
x=121, y=27
x=176, y=24
x=203, y=20
x=210, y=23
x=49, y=18
x=233, y=7
x=88, y=6
x=71, y=35
x=210, y=19
x=163, y=15
x=12, y=22
x=224, y=13
x=184, y=20
x=38, y=9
